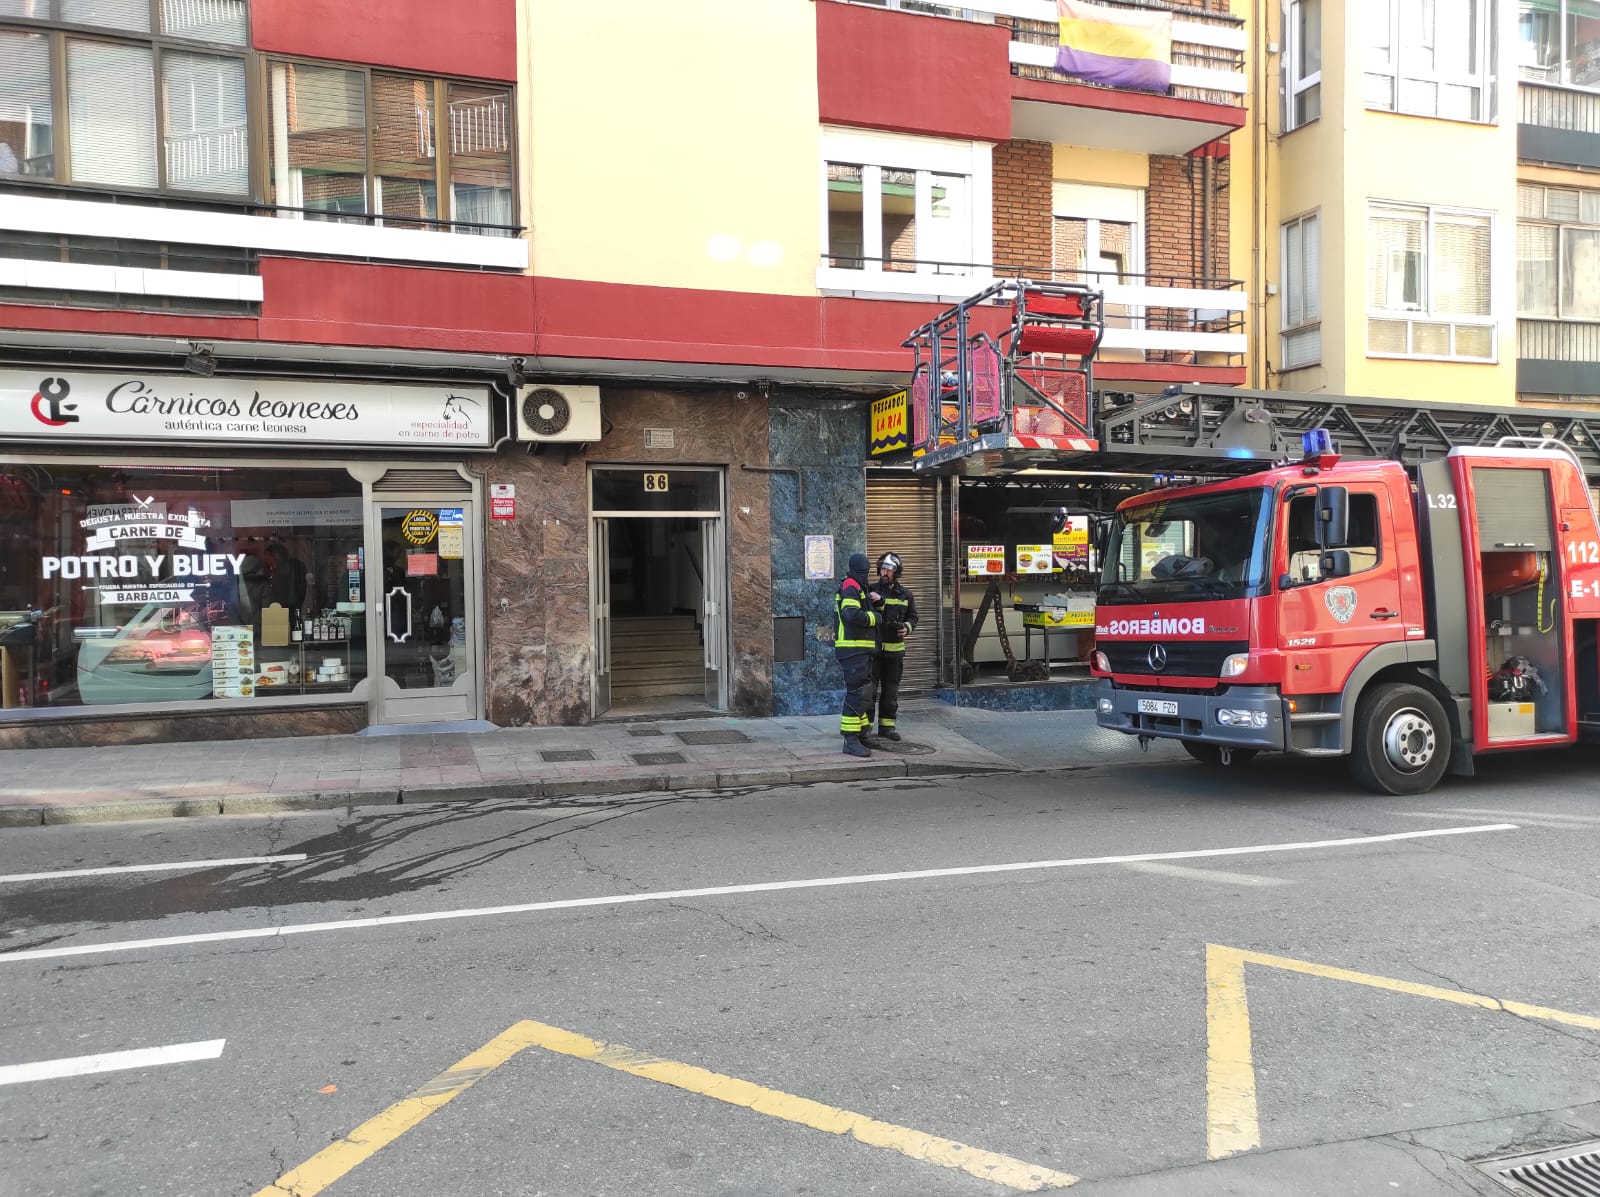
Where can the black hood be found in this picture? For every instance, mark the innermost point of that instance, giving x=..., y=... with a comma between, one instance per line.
x=859, y=565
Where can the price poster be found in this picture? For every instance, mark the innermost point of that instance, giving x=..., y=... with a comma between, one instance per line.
x=986, y=559
x=1071, y=545
x=1035, y=559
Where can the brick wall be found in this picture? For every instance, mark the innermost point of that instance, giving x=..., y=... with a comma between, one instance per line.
x=1022, y=206
x=1175, y=220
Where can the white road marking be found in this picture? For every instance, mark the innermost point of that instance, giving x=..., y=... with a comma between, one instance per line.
x=1217, y=876
x=1557, y=816
x=1524, y=819
x=174, y=866
x=144, y=1057
x=760, y=887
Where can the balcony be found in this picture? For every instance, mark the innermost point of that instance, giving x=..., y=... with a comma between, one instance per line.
x=1559, y=125
x=1206, y=101
x=1154, y=323
x=1558, y=357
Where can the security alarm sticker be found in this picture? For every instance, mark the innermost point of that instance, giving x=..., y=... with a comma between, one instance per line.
x=1341, y=603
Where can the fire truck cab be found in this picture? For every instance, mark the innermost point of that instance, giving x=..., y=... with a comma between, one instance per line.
x=1407, y=619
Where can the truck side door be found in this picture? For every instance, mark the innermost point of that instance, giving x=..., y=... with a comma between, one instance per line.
x=1326, y=625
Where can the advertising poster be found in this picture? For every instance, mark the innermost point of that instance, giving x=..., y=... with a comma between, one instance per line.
x=986, y=559
x=1035, y=559
x=1072, y=544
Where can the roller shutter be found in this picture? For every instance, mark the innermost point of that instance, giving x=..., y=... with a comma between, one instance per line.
x=902, y=518
x=1513, y=509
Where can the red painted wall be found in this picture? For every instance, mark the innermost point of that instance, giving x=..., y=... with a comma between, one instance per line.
x=475, y=38
x=882, y=69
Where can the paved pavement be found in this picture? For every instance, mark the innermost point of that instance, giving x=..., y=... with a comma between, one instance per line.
x=80, y=785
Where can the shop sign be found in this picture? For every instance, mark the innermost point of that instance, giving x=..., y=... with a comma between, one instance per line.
x=337, y=511
x=115, y=528
x=419, y=526
x=177, y=408
x=1071, y=544
x=1035, y=559
x=891, y=428
x=986, y=559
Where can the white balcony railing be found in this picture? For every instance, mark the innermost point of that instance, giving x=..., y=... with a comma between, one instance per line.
x=213, y=160
x=478, y=126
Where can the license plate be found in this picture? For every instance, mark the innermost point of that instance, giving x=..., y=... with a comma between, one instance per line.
x=1157, y=706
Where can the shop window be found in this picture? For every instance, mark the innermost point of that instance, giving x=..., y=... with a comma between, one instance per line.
x=168, y=584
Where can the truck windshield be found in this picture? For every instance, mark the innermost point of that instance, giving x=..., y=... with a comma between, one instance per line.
x=1188, y=549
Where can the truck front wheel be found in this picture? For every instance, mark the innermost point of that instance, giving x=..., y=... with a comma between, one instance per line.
x=1402, y=740
x=1218, y=755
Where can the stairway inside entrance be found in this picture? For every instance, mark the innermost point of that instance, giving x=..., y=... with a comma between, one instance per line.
x=657, y=664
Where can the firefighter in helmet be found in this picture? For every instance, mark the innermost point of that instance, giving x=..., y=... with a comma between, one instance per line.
x=898, y=618
x=855, y=644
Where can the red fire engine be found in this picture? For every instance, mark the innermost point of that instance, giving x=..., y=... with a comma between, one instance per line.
x=1433, y=596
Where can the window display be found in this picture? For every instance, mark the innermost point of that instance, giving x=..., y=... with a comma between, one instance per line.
x=166, y=583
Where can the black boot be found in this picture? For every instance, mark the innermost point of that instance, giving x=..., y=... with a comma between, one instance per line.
x=854, y=747
x=888, y=733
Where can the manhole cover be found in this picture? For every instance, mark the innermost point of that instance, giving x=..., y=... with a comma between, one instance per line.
x=1571, y=1171
x=714, y=736
x=646, y=731
x=658, y=758
x=552, y=755
x=903, y=747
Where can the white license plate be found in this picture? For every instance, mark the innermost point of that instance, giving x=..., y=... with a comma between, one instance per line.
x=1157, y=706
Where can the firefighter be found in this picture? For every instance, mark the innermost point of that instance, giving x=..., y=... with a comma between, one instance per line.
x=855, y=644
x=897, y=619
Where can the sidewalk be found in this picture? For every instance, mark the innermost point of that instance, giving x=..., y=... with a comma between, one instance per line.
x=83, y=785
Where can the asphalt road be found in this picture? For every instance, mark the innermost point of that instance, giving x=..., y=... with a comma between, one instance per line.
x=1272, y=999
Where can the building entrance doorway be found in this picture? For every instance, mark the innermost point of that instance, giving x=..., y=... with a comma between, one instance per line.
x=659, y=585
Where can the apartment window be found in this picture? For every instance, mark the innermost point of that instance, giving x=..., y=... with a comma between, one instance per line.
x=142, y=105
x=1428, y=283
x=1558, y=41
x=1430, y=58
x=1302, y=63
x=902, y=206
x=1558, y=252
x=1302, y=293
x=407, y=149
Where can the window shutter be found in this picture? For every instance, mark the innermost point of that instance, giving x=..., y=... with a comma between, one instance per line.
x=224, y=21
x=25, y=105
x=132, y=15
x=207, y=139
x=1312, y=236
x=1461, y=265
x=1294, y=283
x=111, y=103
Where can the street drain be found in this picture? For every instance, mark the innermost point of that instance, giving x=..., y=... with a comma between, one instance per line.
x=659, y=758
x=714, y=736
x=646, y=731
x=551, y=755
x=1571, y=1171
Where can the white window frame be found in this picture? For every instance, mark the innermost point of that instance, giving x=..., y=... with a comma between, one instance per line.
x=1484, y=78
x=1295, y=84
x=927, y=156
x=1562, y=229
x=1296, y=291
x=1562, y=76
x=1425, y=313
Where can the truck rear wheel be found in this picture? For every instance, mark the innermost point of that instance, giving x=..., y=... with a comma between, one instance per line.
x=1218, y=755
x=1402, y=740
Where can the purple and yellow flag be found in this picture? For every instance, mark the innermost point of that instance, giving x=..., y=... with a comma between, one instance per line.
x=1115, y=46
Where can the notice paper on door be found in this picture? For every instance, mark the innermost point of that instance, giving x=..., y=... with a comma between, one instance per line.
x=422, y=565
x=450, y=541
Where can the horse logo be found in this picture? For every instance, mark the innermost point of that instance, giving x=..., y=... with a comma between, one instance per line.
x=455, y=408
x=1341, y=603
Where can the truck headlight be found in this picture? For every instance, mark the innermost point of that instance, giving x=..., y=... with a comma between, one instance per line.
x=1232, y=718
x=1235, y=665
x=1106, y=706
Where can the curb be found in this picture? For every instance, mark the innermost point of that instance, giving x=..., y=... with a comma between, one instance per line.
x=701, y=779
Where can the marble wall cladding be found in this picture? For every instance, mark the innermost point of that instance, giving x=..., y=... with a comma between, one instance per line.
x=95, y=727
x=827, y=443
x=1038, y=696
x=540, y=645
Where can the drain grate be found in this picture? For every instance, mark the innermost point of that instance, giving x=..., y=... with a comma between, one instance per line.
x=659, y=758
x=551, y=755
x=1571, y=1171
x=714, y=736
x=646, y=731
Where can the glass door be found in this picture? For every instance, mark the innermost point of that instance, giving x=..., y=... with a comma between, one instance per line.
x=715, y=632
x=427, y=641
x=600, y=613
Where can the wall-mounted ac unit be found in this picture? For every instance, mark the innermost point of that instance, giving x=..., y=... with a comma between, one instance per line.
x=561, y=415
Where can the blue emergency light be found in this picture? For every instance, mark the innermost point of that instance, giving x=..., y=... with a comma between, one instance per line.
x=1317, y=442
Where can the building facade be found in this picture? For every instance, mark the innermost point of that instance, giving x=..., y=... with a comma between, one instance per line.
x=374, y=365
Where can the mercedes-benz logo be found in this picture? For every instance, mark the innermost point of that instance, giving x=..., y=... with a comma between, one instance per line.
x=1157, y=656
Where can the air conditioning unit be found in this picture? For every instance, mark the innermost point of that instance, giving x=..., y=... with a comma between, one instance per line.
x=560, y=415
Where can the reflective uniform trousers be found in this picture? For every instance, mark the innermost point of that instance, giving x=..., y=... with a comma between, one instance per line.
x=859, y=676
x=891, y=667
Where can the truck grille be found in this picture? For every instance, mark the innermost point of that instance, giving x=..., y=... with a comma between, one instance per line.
x=1185, y=658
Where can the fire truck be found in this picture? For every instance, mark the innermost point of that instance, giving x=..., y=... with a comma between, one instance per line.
x=1429, y=594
